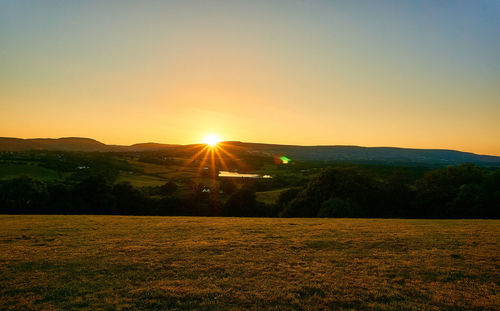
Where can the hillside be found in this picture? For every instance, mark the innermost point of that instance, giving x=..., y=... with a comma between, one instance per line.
x=65, y=143
x=72, y=144
x=368, y=154
x=404, y=156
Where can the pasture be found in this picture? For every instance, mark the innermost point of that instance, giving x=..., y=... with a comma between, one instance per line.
x=12, y=170
x=269, y=197
x=180, y=263
x=140, y=180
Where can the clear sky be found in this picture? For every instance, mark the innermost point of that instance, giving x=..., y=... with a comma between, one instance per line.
x=423, y=74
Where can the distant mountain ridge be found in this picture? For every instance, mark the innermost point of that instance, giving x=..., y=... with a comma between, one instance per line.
x=316, y=153
x=72, y=144
x=371, y=154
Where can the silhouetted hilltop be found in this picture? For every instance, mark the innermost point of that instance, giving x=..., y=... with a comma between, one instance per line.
x=305, y=153
x=364, y=154
x=148, y=147
x=372, y=154
x=70, y=144
x=65, y=143
x=73, y=144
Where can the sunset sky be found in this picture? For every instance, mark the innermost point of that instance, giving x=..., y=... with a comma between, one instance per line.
x=421, y=74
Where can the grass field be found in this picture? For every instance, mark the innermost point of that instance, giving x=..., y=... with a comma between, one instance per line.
x=9, y=170
x=176, y=263
x=269, y=197
x=140, y=180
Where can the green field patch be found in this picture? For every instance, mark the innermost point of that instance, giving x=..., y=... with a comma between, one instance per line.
x=269, y=197
x=141, y=180
x=9, y=171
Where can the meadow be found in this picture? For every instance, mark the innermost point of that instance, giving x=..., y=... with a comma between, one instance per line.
x=177, y=263
x=269, y=197
x=9, y=171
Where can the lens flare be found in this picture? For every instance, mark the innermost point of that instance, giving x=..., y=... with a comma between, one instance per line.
x=285, y=160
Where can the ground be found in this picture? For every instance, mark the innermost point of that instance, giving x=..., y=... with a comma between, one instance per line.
x=269, y=197
x=176, y=263
x=9, y=170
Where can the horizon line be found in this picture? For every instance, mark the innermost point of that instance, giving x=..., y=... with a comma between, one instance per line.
x=246, y=142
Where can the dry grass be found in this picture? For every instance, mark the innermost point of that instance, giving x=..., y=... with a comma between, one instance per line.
x=129, y=263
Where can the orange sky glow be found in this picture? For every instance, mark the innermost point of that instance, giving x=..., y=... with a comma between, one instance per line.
x=420, y=75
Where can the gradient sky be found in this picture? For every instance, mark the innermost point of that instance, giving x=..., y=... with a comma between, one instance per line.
x=423, y=74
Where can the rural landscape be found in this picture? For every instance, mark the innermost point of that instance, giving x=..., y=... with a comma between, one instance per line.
x=249, y=155
x=246, y=243
x=189, y=180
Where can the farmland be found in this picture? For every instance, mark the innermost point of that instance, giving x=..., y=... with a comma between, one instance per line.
x=113, y=262
x=269, y=197
x=8, y=171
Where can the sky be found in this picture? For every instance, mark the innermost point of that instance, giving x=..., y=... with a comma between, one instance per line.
x=418, y=74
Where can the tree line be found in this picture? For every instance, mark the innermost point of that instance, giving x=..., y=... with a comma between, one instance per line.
x=465, y=191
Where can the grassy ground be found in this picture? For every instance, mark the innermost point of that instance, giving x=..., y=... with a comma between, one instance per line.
x=155, y=175
x=9, y=170
x=269, y=197
x=140, y=180
x=129, y=263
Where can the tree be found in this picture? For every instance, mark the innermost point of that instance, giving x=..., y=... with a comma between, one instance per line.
x=242, y=203
x=23, y=195
x=446, y=192
x=131, y=201
x=168, y=188
x=227, y=186
x=343, y=183
x=94, y=195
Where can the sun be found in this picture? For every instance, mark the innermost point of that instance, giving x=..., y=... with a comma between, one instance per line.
x=211, y=140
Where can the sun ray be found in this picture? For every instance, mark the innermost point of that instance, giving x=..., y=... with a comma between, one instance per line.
x=221, y=159
x=194, y=146
x=212, y=155
x=203, y=162
x=186, y=163
x=195, y=156
x=233, y=157
x=212, y=161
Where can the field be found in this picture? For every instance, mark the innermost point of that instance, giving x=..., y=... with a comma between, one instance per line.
x=140, y=180
x=269, y=197
x=9, y=170
x=177, y=263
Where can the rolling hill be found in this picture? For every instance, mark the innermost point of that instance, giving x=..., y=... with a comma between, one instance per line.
x=72, y=144
x=368, y=154
x=304, y=153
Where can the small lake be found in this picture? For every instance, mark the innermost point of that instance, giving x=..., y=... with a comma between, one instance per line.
x=239, y=175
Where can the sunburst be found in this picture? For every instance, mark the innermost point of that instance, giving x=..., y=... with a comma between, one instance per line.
x=211, y=155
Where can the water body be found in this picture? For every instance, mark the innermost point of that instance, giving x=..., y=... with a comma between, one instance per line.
x=239, y=175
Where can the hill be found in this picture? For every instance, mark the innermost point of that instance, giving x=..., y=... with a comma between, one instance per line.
x=335, y=153
x=65, y=143
x=72, y=144
x=367, y=154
